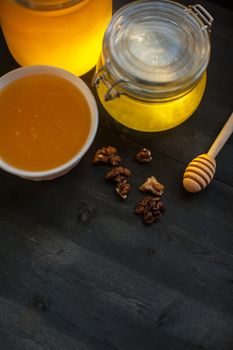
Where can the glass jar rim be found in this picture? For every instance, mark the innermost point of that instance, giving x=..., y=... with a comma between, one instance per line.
x=169, y=60
x=47, y=5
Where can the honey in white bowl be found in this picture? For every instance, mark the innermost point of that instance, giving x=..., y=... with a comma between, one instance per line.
x=45, y=121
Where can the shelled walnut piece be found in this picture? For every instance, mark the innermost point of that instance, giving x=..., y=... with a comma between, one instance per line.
x=107, y=155
x=144, y=156
x=123, y=188
x=120, y=176
x=151, y=208
x=152, y=185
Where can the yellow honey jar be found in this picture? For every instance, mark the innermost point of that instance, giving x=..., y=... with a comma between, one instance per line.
x=63, y=33
x=152, y=72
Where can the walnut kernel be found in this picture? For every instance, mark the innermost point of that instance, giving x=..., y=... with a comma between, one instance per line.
x=152, y=185
x=107, y=155
x=151, y=208
x=144, y=156
x=123, y=188
x=118, y=174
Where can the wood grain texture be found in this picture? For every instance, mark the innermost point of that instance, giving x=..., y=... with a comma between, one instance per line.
x=80, y=271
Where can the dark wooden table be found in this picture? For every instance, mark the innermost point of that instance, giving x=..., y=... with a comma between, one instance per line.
x=80, y=271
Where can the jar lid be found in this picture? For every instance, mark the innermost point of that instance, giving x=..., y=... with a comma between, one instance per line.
x=157, y=47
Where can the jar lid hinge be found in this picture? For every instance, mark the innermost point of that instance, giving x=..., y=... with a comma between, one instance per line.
x=203, y=14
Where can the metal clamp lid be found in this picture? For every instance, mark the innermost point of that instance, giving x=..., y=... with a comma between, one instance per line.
x=203, y=14
x=154, y=50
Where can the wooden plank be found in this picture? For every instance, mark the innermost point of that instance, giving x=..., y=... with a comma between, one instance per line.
x=110, y=273
x=79, y=270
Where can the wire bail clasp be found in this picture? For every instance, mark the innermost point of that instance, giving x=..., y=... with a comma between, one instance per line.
x=112, y=92
x=203, y=15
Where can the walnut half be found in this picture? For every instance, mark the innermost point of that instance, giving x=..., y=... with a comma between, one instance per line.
x=107, y=155
x=152, y=185
x=151, y=208
x=118, y=174
x=123, y=188
x=144, y=156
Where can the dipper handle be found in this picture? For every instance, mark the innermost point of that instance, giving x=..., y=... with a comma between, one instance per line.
x=222, y=137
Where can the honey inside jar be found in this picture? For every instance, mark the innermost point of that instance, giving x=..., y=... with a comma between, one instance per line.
x=158, y=116
x=62, y=33
x=44, y=122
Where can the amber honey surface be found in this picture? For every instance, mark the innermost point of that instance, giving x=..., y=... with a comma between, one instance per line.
x=44, y=122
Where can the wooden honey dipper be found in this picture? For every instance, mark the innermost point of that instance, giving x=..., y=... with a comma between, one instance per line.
x=200, y=171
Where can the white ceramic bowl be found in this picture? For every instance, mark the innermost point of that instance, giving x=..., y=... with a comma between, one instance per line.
x=63, y=169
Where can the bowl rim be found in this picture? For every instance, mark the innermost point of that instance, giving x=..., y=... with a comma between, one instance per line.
x=83, y=88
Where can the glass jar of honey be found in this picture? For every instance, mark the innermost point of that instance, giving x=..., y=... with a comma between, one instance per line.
x=63, y=33
x=152, y=72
